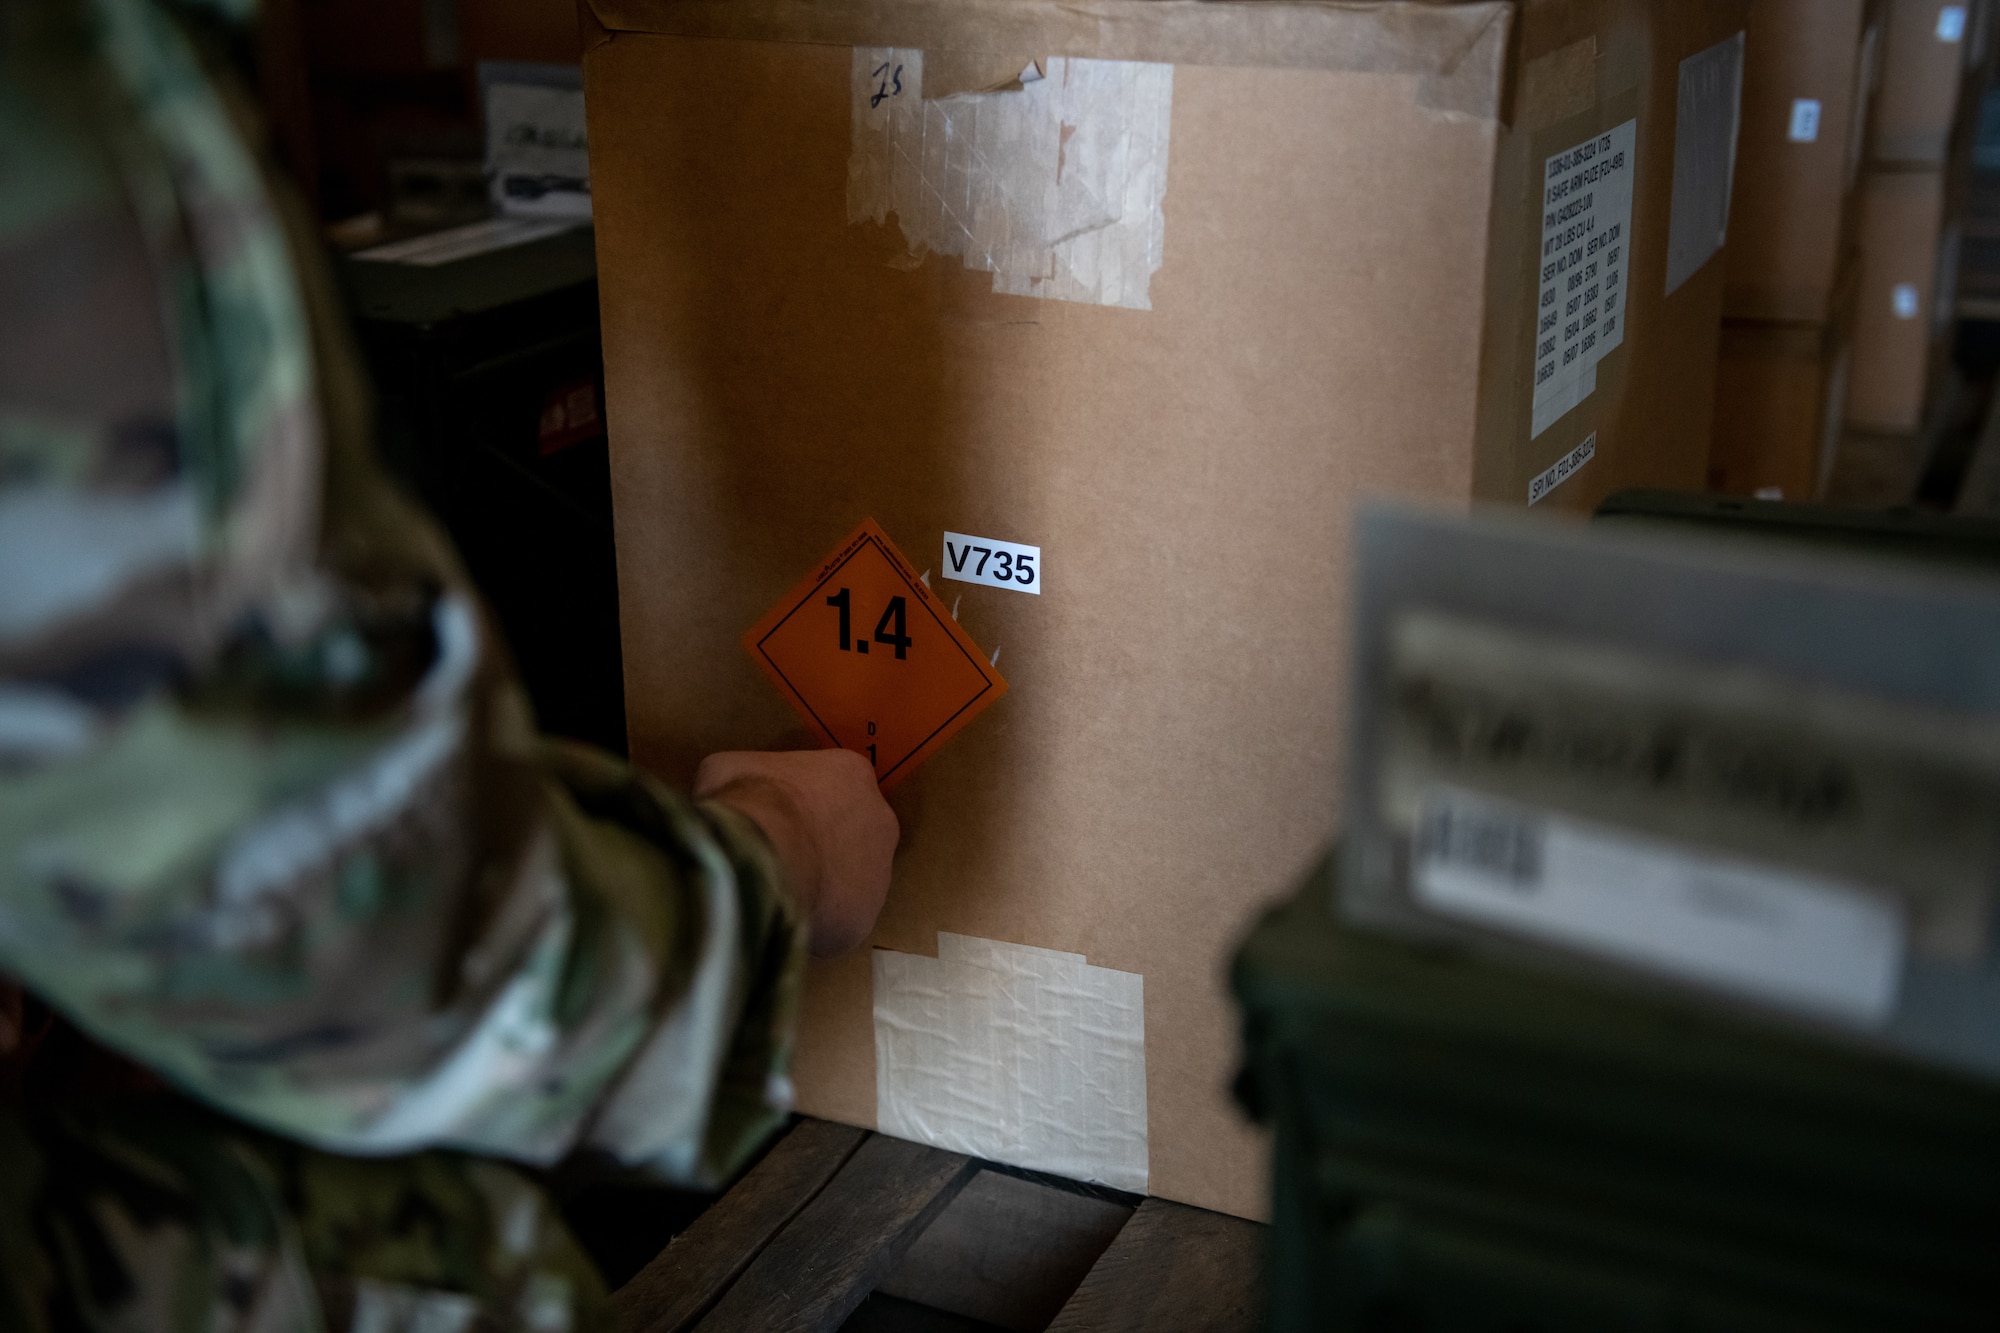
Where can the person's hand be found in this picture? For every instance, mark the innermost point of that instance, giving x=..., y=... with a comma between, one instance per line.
x=829, y=824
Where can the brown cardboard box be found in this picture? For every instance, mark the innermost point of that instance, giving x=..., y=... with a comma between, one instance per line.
x=1896, y=327
x=539, y=30
x=1926, y=47
x=1809, y=76
x=1780, y=398
x=1337, y=296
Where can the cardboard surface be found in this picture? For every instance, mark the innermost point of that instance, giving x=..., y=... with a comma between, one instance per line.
x=1455, y=50
x=1346, y=306
x=1900, y=218
x=1920, y=82
x=1789, y=222
x=1777, y=410
x=1780, y=395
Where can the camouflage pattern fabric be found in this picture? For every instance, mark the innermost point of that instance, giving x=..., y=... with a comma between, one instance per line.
x=134, y=1208
x=274, y=819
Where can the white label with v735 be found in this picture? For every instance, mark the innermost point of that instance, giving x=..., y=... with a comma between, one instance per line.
x=997, y=564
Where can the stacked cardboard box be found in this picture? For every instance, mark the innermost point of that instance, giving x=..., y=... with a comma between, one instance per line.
x=1160, y=290
x=1979, y=252
x=1903, y=306
x=1908, y=219
x=1809, y=81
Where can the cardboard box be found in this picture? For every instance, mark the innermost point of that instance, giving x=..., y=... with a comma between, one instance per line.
x=1780, y=395
x=1926, y=48
x=1334, y=290
x=1810, y=71
x=536, y=30
x=1875, y=470
x=1897, y=322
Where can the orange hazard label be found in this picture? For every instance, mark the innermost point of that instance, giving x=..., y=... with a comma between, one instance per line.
x=871, y=659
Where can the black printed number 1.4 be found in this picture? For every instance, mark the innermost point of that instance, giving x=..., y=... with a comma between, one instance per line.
x=892, y=629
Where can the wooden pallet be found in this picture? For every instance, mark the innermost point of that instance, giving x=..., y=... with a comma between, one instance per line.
x=838, y=1228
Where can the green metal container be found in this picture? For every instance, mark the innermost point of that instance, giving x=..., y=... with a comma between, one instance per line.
x=1465, y=1146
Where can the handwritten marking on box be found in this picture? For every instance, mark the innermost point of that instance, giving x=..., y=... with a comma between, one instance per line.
x=871, y=660
x=996, y=564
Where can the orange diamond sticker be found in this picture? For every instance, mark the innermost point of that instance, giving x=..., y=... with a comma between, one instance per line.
x=870, y=658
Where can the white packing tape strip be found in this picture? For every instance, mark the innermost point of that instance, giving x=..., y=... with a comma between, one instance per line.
x=1015, y=1054
x=1056, y=186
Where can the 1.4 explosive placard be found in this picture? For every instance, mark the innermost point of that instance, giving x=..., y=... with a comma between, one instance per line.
x=871, y=659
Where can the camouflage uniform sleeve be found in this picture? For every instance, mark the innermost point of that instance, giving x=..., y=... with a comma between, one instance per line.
x=274, y=819
x=134, y=1209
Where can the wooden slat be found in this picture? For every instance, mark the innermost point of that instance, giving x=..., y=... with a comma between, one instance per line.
x=688, y=1277
x=1007, y=1252
x=813, y=1274
x=1173, y=1267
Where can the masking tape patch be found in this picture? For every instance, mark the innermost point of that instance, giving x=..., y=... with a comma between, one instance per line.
x=1015, y=1054
x=1054, y=183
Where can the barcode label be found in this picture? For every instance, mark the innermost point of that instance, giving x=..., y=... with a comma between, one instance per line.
x=1793, y=940
x=1502, y=845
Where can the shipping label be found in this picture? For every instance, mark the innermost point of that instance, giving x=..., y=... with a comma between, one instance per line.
x=1802, y=942
x=1560, y=471
x=1738, y=763
x=1586, y=243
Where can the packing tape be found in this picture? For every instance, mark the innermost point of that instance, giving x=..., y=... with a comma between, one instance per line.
x=1015, y=1054
x=1053, y=185
x=1455, y=52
